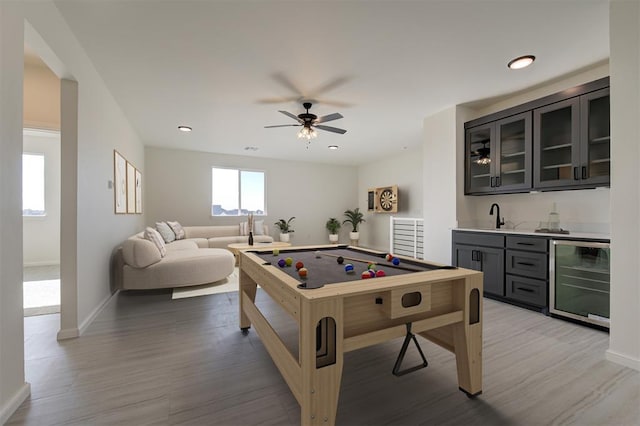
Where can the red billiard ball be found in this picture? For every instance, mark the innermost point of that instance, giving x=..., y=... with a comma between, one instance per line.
x=302, y=272
x=380, y=273
x=299, y=265
x=365, y=275
x=389, y=257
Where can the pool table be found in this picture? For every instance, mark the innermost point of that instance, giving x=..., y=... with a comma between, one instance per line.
x=338, y=312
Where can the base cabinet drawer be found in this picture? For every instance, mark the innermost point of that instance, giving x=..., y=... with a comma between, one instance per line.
x=526, y=290
x=533, y=265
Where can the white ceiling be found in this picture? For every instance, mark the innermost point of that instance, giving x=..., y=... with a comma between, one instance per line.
x=226, y=67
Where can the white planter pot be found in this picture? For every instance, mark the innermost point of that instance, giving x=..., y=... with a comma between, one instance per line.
x=333, y=238
x=354, y=236
x=284, y=238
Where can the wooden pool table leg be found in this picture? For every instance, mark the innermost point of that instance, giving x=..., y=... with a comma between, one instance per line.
x=249, y=286
x=467, y=336
x=320, y=386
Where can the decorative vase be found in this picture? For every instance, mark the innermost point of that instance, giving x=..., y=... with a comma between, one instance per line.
x=250, y=238
x=333, y=238
x=354, y=237
x=284, y=238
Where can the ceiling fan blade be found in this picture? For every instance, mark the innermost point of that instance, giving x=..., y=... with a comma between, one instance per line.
x=330, y=129
x=281, y=100
x=330, y=117
x=283, y=125
x=295, y=117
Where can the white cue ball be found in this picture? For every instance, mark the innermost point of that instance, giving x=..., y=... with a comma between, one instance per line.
x=318, y=255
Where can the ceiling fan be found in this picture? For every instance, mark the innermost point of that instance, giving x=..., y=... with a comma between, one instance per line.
x=310, y=122
x=482, y=154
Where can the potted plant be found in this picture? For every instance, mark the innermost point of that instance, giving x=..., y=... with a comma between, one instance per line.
x=333, y=226
x=285, y=229
x=355, y=217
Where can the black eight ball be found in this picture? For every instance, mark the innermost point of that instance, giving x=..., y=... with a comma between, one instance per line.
x=340, y=260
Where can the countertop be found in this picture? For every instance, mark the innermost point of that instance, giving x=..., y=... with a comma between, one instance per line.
x=570, y=236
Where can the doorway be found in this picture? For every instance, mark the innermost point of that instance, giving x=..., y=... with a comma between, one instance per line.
x=41, y=221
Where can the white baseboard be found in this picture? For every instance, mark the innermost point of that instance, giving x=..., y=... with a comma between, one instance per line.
x=14, y=402
x=43, y=263
x=623, y=359
x=67, y=333
x=92, y=316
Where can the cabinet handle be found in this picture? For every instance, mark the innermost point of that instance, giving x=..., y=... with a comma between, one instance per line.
x=528, y=290
x=525, y=263
x=575, y=174
x=491, y=183
x=498, y=181
x=479, y=256
x=524, y=244
x=584, y=172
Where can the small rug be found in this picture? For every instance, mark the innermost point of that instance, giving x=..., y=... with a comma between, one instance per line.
x=226, y=285
x=41, y=297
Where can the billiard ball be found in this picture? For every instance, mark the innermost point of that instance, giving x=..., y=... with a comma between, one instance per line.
x=348, y=268
x=302, y=272
x=372, y=273
x=281, y=263
x=318, y=255
x=380, y=273
x=371, y=266
x=276, y=252
x=365, y=275
x=389, y=257
x=299, y=265
x=288, y=261
x=340, y=260
x=395, y=261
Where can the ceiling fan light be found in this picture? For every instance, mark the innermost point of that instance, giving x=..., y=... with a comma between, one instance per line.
x=307, y=133
x=483, y=160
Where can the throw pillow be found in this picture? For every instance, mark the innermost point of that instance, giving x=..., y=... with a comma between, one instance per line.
x=177, y=230
x=258, y=227
x=165, y=230
x=155, y=237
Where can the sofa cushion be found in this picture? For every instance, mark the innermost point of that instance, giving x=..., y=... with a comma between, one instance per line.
x=165, y=230
x=140, y=252
x=177, y=229
x=211, y=231
x=155, y=237
x=182, y=245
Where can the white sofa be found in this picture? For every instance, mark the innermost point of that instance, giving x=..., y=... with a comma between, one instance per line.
x=200, y=258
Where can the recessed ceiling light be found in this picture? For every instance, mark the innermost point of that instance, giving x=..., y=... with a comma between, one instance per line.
x=521, y=62
x=185, y=128
x=250, y=148
x=334, y=147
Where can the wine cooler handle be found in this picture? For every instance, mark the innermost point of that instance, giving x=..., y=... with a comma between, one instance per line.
x=575, y=174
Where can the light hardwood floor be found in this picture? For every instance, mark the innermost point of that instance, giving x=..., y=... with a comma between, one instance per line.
x=148, y=359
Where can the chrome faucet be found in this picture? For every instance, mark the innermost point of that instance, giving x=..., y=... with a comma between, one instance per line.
x=498, y=220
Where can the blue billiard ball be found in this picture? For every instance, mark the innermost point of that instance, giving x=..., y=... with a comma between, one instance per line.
x=281, y=263
x=396, y=261
x=348, y=268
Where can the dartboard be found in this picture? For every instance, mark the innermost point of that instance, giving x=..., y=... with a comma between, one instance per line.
x=387, y=199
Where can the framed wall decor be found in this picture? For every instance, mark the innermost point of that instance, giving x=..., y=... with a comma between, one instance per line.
x=138, y=191
x=119, y=183
x=131, y=188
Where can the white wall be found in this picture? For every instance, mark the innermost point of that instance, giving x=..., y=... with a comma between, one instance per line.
x=41, y=235
x=404, y=170
x=101, y=127
x=624, y=22
x=440, y=166
x=177, y=186
x=13, y=389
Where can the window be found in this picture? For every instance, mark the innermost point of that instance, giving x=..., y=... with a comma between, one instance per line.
x=237, y=192
x=33, y=185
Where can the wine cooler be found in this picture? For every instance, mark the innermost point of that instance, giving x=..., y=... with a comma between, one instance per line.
x=580, y=281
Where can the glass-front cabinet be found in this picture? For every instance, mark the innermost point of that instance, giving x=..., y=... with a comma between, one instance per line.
x=571, y=142
x=596, y=134
x=498, y=156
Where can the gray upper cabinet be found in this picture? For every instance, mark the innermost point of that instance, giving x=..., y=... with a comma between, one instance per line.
x=571, y=142
x=557, y=142
x=498, y=156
